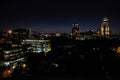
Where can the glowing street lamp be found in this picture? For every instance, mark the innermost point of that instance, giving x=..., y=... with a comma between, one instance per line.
x=24, y=66
x=9, y=31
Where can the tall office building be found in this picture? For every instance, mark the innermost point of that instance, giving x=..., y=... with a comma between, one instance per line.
x=75, y=30
x=105, y=28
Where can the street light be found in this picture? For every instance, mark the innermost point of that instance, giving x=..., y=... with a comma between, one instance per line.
x=9, y=31
x=9, y=34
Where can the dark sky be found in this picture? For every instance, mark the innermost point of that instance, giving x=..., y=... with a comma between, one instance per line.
x=57, y=16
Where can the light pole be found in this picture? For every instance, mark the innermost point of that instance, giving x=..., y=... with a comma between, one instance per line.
x=9, y=32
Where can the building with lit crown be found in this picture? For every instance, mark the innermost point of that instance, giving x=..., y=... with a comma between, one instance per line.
x=75, y=30
x=105, y=28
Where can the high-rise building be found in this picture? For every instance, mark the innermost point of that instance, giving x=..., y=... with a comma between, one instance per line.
x=105, y=28
x=75, y=30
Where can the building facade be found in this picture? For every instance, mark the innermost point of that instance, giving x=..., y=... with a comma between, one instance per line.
x=12, y=55
x=38, y=46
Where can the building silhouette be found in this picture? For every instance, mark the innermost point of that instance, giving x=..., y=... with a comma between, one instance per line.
x=30, y=32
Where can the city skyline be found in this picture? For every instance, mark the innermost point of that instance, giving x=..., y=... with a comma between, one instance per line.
x=46, y=16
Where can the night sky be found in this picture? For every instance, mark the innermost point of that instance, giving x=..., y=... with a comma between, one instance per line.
x=58, y=16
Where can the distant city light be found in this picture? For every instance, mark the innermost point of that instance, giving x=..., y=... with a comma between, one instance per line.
x=55, y=65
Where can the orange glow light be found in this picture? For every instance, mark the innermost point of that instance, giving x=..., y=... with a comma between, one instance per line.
x=10, y=31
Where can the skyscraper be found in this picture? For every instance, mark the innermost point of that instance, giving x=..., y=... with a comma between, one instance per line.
x=75, y=30
x=105, y=28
